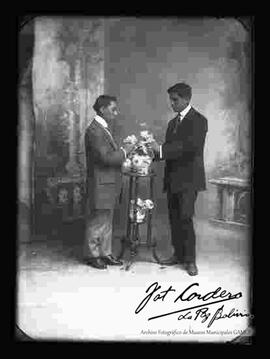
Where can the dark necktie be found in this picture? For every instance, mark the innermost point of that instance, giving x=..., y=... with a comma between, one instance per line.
x=177, y=122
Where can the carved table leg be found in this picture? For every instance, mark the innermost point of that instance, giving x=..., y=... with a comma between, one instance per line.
x=133, y=242
x=151, y=241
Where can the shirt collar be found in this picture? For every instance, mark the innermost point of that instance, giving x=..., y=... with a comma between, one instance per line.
x=101, y=121
x=185, y=111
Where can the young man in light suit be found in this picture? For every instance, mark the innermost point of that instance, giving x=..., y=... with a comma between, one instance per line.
x=103, y=161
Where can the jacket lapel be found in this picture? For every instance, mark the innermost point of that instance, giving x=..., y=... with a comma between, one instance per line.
x=185, y=120
x=188, y=115
x=107, y=135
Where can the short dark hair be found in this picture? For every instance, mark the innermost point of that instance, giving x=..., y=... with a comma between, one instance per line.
x=182, y=89
x=103, y=101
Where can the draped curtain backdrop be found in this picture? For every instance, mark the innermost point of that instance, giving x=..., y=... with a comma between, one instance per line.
x=75, y=59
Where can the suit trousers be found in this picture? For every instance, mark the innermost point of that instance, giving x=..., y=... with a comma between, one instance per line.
x=98, y=235
x=181, y=208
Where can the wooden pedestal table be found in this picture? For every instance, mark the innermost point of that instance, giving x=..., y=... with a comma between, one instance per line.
x=132, y=240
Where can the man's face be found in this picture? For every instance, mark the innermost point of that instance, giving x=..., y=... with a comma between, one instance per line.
x=178, y=103
x=110, y=112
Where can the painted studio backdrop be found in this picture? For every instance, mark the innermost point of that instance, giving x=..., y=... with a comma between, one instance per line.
x=65, y=63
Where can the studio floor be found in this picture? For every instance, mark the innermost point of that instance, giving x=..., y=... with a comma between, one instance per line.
x=60, y=298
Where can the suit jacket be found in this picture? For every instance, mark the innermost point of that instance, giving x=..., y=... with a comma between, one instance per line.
x=183, y=153
x=103, y=162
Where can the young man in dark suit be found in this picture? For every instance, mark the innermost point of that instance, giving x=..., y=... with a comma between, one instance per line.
x=103, y=161
x=184, y=176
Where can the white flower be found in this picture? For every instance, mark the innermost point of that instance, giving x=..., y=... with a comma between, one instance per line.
x=137, y=160
x=149, y=204
x=146, y=136
x=144, y=133
x=131, y=139
x=140, y=216
x=127, y=164
x=140, y=202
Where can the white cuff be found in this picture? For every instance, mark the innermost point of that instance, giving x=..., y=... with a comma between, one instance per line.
x=160, y=151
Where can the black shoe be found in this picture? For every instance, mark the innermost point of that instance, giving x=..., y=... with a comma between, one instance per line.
x=96, y=263
x=111, y=261
x=192, y=269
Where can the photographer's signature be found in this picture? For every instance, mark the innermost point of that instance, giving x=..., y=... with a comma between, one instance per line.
x=200, y=311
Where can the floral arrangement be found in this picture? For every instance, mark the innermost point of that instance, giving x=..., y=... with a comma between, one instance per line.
x=139, y=209
x=141, y=157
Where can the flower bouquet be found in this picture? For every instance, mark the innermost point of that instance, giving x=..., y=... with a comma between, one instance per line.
x=141, y=157
x=139, y=209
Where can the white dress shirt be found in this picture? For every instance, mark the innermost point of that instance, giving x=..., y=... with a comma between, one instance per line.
x=184, y=112
x=104, y=124
x=182, y=115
